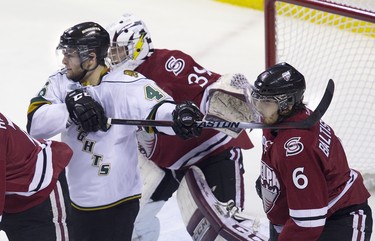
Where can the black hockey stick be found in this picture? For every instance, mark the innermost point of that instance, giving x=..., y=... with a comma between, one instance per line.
x=305, y=124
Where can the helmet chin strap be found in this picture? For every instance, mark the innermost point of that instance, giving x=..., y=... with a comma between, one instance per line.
x=85, y=71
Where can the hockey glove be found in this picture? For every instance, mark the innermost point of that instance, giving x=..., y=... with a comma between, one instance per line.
x=258, y=187
x=184, y=117
x=85, y=111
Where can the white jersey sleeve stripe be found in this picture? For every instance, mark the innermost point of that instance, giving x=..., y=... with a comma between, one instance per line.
x=308, y=213
x=349, y=183
x=309, y=218
x=43, y=171
x=310, y=223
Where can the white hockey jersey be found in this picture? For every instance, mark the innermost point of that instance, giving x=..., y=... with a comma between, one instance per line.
x=104, y=167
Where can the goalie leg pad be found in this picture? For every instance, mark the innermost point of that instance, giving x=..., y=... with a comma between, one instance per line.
x=206, y=218
x=151, y=175
x=147, y=224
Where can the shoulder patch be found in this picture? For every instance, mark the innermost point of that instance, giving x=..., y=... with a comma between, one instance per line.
x=131, y=73
x=175, y=65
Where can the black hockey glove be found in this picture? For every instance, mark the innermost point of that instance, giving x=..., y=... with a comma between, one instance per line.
x=258, y=187
x=274, y=235
x=184, y=117
x=85, y=111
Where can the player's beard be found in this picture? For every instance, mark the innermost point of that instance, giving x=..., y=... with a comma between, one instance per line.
x=77, y=75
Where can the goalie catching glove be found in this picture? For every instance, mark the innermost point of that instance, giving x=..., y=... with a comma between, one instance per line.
x=184, y=117
x=85, y=111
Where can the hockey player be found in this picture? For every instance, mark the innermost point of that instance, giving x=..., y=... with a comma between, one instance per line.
x=218, y=155
x=34, y=195
x=308, y=190
x=103, y=175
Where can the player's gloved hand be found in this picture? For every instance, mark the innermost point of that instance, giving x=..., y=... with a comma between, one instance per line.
x=85, y=111
x=274, y=235
x=184, y=117
x=258, y=187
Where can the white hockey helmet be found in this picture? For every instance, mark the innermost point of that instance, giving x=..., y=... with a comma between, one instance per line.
x=130, y=42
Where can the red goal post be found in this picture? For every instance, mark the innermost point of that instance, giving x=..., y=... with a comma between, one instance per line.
x=332, y=39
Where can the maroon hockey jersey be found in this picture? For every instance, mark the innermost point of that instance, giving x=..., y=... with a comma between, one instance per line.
x=29, y=168
x=181, y=77
x=306, y=178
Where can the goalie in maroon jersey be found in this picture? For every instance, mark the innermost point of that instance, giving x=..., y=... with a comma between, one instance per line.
x=33, y=190
x=308, y=190
x=217, y=154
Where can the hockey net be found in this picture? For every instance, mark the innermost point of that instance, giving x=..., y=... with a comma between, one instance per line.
x=332, y=39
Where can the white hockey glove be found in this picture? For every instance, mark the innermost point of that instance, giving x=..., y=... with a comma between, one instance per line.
x=227, y=100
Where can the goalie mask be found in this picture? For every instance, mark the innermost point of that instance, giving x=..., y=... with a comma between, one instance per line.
x=130, y=42
x=277, y=91
x=85, y=38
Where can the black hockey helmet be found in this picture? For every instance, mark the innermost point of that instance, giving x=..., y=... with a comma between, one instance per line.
x=282, y=83
x=86, y=37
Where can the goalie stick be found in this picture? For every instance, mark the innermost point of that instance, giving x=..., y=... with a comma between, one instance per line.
x=304, y=124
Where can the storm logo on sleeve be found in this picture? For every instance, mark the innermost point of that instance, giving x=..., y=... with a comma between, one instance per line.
x=270, y=187
x=174, y=65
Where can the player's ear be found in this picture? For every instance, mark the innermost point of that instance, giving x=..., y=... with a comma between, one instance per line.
x=92, y=56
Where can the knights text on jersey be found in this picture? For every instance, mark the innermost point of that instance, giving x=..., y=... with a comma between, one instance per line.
x=181, y=77
x=103, y=171
x=305, y=178
x=29, y=168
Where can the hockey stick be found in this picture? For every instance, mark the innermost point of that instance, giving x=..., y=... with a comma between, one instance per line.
x=304, y=124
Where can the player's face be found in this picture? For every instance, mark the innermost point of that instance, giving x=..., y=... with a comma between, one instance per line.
x=72, y=63
x=267, y=109
x=117, y=53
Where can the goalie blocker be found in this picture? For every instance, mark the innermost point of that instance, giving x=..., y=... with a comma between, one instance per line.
x=207, y=219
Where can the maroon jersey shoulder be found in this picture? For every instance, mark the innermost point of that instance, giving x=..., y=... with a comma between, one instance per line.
x=178, y=74
x=20, y=157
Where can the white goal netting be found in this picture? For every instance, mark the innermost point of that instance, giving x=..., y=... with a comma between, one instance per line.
x=333, y=40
